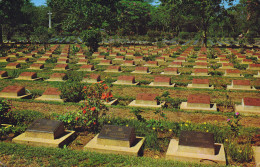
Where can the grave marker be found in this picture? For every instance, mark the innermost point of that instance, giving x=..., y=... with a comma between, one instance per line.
x=117, y=140
x=43, y=132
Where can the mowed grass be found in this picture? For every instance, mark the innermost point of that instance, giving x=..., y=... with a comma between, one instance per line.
x=22, y=155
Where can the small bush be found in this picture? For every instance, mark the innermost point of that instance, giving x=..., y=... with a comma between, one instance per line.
x=217, y=73
x=36, y=93
x=240, y=66
x=52, y=60
x=74, y=76
x=71, y=91
x=24, y=117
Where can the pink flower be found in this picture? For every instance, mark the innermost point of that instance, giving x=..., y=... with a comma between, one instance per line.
x=237, y=113
x=228, y=120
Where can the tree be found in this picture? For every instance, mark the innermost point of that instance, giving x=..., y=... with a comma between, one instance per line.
x=201, y=11
x=92, y=37
x=133, y=16
x=11, y=14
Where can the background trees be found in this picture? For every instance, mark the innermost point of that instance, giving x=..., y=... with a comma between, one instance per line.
x=181, y=18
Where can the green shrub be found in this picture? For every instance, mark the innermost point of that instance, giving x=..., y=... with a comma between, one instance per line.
x=24, y=117
x=4, y=108
x=239, y=152
x=52, y=60
x=71, y=91
x=240, y=66
x=92, y=37
x=36, y=93
x=217, y=73
x=14, y=73
x=74, y=76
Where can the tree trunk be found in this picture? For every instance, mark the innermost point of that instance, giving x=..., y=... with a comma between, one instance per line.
x=1, y=34
x=205, y=38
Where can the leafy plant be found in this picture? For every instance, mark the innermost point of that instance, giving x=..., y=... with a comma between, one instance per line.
x=71, y=91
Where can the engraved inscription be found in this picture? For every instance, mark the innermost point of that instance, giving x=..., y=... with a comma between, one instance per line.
x=196, y=139
x=116, y=132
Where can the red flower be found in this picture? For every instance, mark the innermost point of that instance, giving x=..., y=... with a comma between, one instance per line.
x=103, y=96
x=105, y=87
x=84, y=111
x=94, y=123
x=84, y=87
x=93, y=109
x=101, y=81
x=77, y=118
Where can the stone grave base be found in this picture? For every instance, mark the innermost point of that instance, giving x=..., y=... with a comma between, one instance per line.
x=133, y=104
x=184, y=106
x=86, y=70
x=150, y=65
x=55, y=79
x=174, y=154
x=113, y=71
x=134, y=150
x=230, y=87
x=49, y=98
x=59, y=142
x=163, y=73
x=257, y=76
x=200, y=74
x=225, y=75
x=246, y=111
x=200, y=87
x=88, y=80
x=12, y=67
x=152, y=84
x=59, y=69
x=140, y=72
x=174, y=65
x=257, y=155
x=226, y=68
x=5, y=95
x=110, y=102
x=200, y=67
x=28, y=79
x=127, y=65
x=119, y=83
x=104, y=64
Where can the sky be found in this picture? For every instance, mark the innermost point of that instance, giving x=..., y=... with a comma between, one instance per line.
x=43, y=2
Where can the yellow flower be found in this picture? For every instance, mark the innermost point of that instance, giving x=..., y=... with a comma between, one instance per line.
x=226, y=140
x=133, y=118
x=109, y=122
x=181, y=125
x=186, y=124
x=205, y=123
x=153, y=128
x=126, y=125
x=170, y=130
x=207, y=130
x=187, y=121
x=240, y=151
x=69, y=121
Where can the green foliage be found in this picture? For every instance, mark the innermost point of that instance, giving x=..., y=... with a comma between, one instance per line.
x=52, y=60
x=5, y=107
x=24, y=117
x=137, y=112
x=217, y=73
x=92, y=37
x=74, y=76
x=71, y=91
x=36, y=93
x=240, y=66
x=69, y=119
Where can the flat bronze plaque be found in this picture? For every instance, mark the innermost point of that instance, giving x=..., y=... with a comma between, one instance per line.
x=196, y=139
